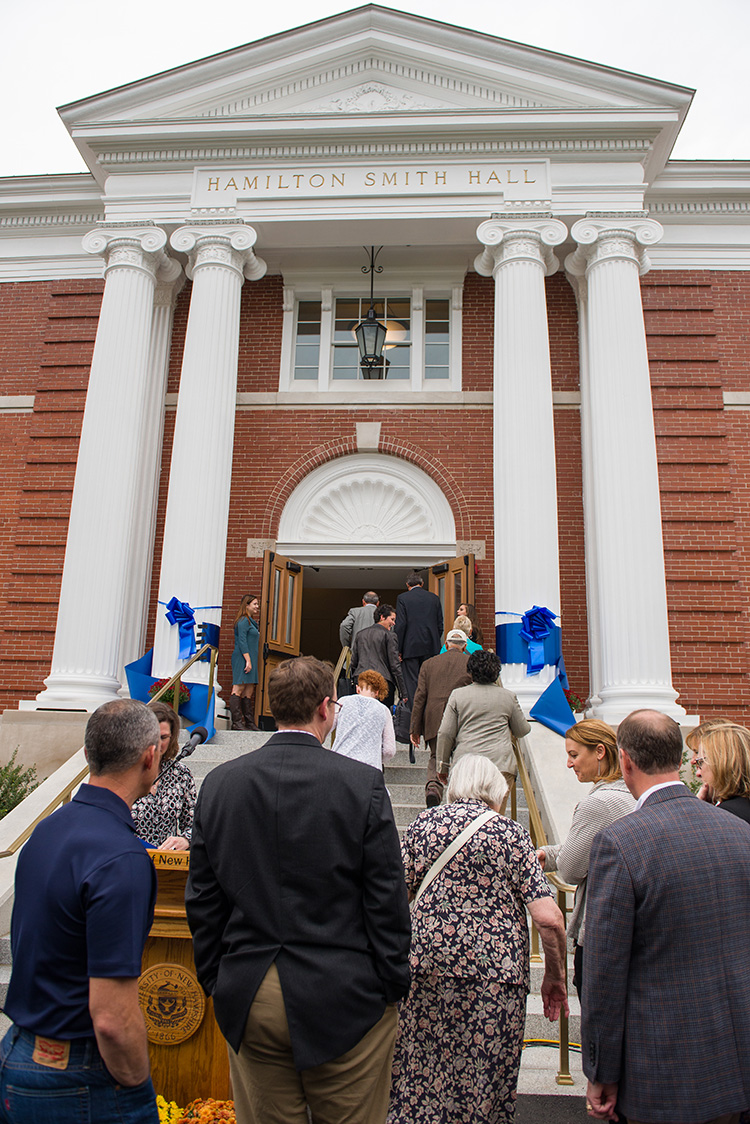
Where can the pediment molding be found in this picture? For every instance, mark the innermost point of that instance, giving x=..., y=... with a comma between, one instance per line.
x=636, y=147
x=379, y=74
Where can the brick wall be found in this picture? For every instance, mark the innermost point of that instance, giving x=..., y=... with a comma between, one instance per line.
x=696, y=338
x=47, y=331
x=698, y=346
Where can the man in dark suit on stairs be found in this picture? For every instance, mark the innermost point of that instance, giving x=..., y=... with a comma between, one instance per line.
x=297, y=904
x=419, y=627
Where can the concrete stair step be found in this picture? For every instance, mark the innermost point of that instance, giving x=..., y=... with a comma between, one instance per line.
x=412, y=794
x=404, y=774
x=537, y=1026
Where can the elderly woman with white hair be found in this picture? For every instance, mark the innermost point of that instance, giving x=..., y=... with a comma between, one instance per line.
x=472, y=874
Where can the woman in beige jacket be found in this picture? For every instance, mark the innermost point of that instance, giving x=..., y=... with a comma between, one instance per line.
x=480, y=718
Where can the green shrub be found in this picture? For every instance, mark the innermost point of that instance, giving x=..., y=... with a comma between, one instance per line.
x=15, y=784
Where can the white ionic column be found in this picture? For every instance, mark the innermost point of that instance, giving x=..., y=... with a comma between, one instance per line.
x=519, y=255
x=195, y=530
x=621, y=484
x=169, y=283
x=86, y=658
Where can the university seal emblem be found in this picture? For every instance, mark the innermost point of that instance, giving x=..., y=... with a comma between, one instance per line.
x=172, y=1002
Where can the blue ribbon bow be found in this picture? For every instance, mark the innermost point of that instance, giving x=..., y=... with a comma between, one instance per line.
x=536, y=625
x=180, y=613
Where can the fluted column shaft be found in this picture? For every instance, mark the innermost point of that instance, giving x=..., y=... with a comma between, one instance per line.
x=621, y=482
x=142, y=548
x=195, y=530
x=86, y=658
x=519, y=255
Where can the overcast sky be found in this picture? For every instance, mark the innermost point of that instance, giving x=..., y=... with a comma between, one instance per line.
x=53, y=52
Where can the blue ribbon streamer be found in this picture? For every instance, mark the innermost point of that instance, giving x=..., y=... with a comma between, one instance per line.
x=180, y=613
x=199, y=709
x=208, y=634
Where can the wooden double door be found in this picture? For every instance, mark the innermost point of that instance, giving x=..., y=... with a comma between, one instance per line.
x=281, y=610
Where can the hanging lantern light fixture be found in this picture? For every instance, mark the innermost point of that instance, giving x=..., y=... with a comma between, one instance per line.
x=370, y=332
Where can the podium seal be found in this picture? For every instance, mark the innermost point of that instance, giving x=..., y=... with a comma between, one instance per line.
x=172, y=1002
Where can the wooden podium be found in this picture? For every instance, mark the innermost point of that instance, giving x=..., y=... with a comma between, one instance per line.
x=187, y=1050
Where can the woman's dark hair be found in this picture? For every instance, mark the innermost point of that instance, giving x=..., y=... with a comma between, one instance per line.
x=484, y=667
x=165, y=713
x=382, y=612
x=246, y=601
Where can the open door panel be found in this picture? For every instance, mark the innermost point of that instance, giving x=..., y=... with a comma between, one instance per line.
x=453, y=581
x=280, y=623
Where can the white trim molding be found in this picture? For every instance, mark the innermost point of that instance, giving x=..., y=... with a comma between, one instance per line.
x=367, y=508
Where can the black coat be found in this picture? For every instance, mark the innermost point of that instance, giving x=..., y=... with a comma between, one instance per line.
x=295, y=859
x=419, y=623
x=376, y=649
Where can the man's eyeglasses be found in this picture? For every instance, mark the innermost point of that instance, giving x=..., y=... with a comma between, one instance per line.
x=333, y=702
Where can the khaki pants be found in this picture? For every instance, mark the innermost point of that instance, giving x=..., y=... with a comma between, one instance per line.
x=352, y=1089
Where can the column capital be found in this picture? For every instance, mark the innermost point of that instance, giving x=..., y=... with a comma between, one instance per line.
x=130, y=246
x=519, y=238
x=612, y=238
x=209, y=242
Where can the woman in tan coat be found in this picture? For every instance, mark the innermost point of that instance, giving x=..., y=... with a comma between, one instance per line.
x=480, y=718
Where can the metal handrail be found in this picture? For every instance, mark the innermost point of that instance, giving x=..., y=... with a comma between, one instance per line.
x=64, y=796
x=59, y=798
x=539, y=839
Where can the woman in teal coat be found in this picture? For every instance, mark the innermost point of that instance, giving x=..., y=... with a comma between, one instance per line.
x=245, y=664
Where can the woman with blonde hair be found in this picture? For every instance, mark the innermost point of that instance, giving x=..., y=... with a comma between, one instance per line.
x=472, y=875
x=591, y=746
x=721, y=757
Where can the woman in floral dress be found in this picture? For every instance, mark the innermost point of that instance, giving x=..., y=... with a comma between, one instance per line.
x=460, y=1033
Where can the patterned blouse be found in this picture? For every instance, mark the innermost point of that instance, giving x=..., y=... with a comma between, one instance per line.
x=471, y=920
x=169, y=810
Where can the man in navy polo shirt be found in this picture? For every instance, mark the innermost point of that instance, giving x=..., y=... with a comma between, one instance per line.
x=85, y=892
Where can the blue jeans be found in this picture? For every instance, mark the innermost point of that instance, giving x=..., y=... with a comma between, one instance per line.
x=82, y=1093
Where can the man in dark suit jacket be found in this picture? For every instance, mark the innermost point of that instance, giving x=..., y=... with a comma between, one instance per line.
x=376, y=649
x=419, y=628
x=438, y=676
x=666, y=985
x=297, y=904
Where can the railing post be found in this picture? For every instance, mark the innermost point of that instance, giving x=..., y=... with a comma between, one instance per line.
x=563, y=1072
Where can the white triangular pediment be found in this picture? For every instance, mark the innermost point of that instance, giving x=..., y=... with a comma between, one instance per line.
x=373, y=60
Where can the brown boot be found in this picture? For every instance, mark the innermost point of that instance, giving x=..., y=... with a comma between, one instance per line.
x=235, y=709
x=248, y=709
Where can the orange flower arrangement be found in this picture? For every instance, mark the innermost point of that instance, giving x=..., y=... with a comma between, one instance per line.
x=209, y=1111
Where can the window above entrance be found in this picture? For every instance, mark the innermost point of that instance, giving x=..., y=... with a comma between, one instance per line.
x=422, y=348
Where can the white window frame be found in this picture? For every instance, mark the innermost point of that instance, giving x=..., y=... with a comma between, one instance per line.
x=326, y=384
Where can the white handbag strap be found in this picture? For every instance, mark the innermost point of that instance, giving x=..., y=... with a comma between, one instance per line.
x=453, y=849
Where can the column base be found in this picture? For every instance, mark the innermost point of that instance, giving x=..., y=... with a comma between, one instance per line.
x=526, y=688
x=619, y=702
x=75, y=692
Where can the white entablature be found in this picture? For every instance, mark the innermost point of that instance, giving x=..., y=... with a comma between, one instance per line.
x=377, y=72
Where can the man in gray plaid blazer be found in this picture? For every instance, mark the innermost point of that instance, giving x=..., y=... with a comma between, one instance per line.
x=666, y=979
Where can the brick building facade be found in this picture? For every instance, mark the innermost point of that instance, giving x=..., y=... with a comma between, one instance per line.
x=599, y=143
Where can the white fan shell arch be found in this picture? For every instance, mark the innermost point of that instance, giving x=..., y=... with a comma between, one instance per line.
x=365, y=508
